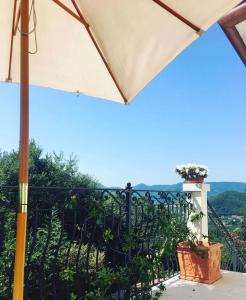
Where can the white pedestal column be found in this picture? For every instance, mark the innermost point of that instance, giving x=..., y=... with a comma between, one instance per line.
x=199, y=195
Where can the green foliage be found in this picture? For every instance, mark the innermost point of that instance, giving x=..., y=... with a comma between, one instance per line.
x=105, y=278
x=68, y=275
x=196, y=216
x=157, y=231
x=193, y=242
x=107, y=235
x=242, y=231
x=229, y=203
x=73, y=296
x=159, y=292
x=203, y=253
x=43, y=241
x=7, y=247
x=73, y=240
x=44, y=169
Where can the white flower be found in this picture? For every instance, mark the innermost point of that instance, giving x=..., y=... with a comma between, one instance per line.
x=191, y=170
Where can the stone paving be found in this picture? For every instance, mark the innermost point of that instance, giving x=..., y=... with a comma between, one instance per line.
x=232, y=286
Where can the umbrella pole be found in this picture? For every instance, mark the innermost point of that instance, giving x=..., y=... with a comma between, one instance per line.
x=18, y=292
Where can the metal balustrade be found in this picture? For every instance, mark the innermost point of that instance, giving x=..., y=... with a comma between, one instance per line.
x=233, y=258
x=76, y=236
x=80, y=238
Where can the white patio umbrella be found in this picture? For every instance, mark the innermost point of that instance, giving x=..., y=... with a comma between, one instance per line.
x=104, y=48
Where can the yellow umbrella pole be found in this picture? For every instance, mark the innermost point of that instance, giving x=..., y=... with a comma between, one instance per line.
x=18, y=292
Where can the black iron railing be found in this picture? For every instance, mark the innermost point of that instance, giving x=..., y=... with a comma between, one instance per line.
x=233, y=258
x=92, y=243
x=108, y=243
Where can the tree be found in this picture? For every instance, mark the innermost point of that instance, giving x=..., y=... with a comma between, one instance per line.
x=44, y=224
x=84, y=243
x=44, y=169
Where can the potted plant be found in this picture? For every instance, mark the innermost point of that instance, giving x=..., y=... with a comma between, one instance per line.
x=192, y=173
x=199, y=261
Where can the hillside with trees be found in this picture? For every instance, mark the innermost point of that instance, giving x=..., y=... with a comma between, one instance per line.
x=229, y=203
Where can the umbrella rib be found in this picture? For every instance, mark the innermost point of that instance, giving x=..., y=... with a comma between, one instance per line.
x=82, y=20
x=178, y=16
x=11, y=43
x=17, y=20
x=68, y=10
x=236, y=41
x=87, y=27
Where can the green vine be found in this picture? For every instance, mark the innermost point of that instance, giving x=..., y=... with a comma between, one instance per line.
x=140, y=268
x=197, y=216
x=192, y=239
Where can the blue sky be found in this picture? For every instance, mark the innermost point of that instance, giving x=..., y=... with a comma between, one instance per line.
x=194, y=111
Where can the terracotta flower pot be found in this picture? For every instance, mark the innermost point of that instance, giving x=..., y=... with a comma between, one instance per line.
x=194, y=180
x=194, y=267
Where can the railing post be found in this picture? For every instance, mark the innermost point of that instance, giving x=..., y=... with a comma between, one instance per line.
x=128, y=190
x=199, y=195
x=234, y=260
x=128, y=212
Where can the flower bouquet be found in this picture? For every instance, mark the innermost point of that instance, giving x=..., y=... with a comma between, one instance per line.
x=192, y=173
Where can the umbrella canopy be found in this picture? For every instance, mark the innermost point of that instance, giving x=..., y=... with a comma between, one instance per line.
x=109, y=49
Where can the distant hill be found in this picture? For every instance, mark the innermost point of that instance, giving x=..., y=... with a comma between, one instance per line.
x=159, y=187
x=229, y=203
x=216, y=187
x=220, y=187
x=228, y=198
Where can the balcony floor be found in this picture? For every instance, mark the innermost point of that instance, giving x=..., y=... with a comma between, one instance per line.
x=231, y=286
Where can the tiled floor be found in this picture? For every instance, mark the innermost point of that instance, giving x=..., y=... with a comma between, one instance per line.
x=232, y=286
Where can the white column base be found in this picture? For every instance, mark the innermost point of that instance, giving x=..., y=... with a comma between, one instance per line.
x=199, y=193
